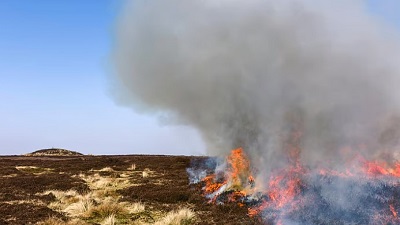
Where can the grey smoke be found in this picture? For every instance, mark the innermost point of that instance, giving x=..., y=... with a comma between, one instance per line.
x=248, y=73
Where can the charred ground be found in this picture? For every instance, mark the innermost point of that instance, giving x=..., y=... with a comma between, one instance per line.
x=166, y=188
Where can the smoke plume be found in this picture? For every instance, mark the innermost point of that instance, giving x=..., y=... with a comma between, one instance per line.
x=252, y=73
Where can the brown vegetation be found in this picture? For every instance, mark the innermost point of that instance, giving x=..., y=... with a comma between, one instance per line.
x=114, y=190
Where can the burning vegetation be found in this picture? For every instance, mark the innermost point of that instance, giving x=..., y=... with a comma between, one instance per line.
x=296, y=194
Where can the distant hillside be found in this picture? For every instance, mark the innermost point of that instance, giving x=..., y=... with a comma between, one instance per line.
x=54, y=152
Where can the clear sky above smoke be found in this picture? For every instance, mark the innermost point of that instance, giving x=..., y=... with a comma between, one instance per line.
x=54, y=90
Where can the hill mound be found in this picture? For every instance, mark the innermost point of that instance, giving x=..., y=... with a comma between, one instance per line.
x=54, y=152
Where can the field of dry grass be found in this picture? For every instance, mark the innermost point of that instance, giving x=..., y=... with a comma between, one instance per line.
x=107, y=190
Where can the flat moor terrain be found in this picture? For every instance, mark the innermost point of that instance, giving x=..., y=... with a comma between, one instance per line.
x=133, y=189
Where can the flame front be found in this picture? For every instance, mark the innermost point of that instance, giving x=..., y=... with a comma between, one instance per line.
x=288, y=190
x=376, y=168
x=236, y=180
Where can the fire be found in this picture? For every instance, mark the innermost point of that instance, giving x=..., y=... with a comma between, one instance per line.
x=211, y=185
x=282, y=190
x=393, y=210
x=235, y=180
x=238, y=181
x=239, y=168
x=375, y=168
x=288, y=190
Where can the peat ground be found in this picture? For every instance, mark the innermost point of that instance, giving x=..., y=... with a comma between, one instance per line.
x=159, y=182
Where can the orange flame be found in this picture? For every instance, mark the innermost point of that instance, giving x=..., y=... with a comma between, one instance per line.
x=236, y=178
x=285, y=186
x=375, y=168
x=393, y=210
x=283, y=189
x=239, y=168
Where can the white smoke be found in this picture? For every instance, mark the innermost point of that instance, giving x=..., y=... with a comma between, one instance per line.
x=247, y=73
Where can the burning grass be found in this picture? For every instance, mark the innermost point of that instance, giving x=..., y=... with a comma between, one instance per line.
x=367, y=194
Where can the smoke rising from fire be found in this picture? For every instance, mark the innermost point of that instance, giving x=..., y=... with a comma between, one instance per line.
x=253, y=73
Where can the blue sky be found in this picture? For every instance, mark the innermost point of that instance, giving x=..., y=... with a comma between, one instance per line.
x=54, y=87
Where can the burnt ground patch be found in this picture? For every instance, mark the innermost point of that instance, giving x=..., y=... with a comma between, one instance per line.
x=165, y=186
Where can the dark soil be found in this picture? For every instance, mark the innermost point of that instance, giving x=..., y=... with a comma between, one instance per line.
x=173, y=192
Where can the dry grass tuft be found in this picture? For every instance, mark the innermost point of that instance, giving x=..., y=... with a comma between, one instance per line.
x=109, y=206
x=107, y=169
x=90, y=206
x=30, y=201
x=97, y=182
x=99, y=205
x=125, y=175
x=77, y=222
x=146, y=172
x=109, y=220
x=83, y=208
x=132, y=167
x=182, y=217
x=62, y=195
x=33, y=169
x=134, y=208
x=64, y=199
x=72, y=203
x=58, y=221
x=52, y=221
x=10, y=175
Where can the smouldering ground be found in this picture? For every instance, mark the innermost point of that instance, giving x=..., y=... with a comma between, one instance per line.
x=135, y=189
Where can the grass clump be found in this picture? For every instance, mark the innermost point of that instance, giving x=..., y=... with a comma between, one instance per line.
x=107, y=169
x=109, y=220
x=92, y=207
x=132, y=167
x=83, y=208
x=99, y=205
x=58, y=221
x=110, y=206
x=98, y=182
x=146, y=173
x=33, y=169
x=183, y=216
